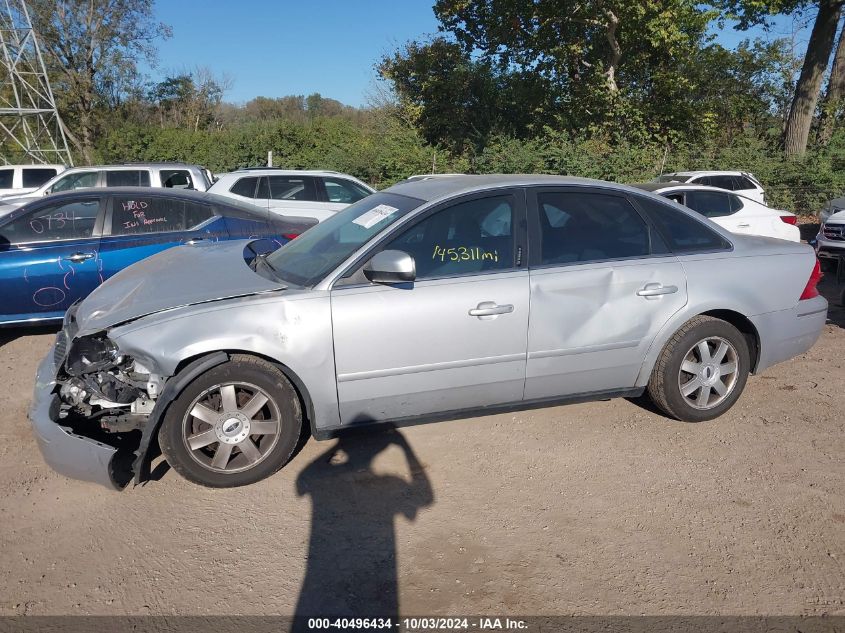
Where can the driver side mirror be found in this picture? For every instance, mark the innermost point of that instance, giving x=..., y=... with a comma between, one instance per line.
x=391, y=267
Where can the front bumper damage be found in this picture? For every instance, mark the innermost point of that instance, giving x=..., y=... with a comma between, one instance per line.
x=66, y=452
x=82, y=447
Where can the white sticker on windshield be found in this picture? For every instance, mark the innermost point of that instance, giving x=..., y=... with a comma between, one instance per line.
x=375, y=215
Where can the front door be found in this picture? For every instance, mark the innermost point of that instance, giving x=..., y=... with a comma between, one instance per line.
x=49, y=258
x=602, y=286
x=453, y=339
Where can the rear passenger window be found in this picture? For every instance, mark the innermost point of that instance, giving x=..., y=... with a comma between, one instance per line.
x=133, y=215
x=37, y=177
x=466, y=238
x=683, y=233
x=7, y=178
x=723, y=182
x=584, y=227
x=128, y=178
x=176, y=179
x=711, y=204
x=292, y=188
x=244, y=187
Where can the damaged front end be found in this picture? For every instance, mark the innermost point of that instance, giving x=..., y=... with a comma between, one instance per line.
x=91, y=406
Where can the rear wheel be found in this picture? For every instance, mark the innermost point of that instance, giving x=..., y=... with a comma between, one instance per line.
x=701, y=371
x=234, y=425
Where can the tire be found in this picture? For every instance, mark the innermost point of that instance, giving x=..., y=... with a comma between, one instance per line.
x=683, y=374
x=206, y=430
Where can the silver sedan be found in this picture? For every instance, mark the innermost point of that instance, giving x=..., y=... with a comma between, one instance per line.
x=435, y=299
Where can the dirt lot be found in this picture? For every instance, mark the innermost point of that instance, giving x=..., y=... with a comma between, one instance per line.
x=602, y=508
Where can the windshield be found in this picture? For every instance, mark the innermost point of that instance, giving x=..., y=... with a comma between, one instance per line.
x=306, y=260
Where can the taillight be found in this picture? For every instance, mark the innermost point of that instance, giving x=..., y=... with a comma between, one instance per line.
x=790, y=219
x=290, y=236
x=810, y=289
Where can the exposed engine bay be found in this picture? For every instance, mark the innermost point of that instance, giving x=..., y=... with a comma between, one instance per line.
x=103, y=394
x=99, y=383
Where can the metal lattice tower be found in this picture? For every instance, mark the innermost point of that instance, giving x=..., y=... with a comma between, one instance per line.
x=30, y=127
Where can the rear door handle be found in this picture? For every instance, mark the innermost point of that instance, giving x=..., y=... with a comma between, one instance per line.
x=490, y=308
x=194, y=240
x=655, y=290
x=79, y=257
x=743, y=225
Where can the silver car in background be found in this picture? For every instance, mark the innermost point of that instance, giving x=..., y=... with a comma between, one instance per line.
x=432, y=300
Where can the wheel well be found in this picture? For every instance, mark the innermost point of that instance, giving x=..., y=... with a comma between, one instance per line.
x=741, y=323
x=299, y=386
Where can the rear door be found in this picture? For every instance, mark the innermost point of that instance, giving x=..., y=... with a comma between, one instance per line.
x=138, y=226
x=49, y=258
x=339, y=193
x=728, y=210
x=296, y=195
x=602, y=284
x=128, y=178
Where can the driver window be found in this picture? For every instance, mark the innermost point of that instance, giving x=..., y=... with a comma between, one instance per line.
x=63, y=221
x=467, y=238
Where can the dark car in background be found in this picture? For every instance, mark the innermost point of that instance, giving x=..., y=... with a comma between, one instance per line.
x=56, y=250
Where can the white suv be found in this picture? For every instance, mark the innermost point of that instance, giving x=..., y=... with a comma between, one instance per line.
x=166, y=175
x=740, y=182
x=293, y=192
x=21, y=179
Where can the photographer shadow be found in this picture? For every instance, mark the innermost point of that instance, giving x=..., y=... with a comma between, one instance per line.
x=351, y=569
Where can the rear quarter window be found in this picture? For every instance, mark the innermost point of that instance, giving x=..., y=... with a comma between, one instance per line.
x=37, y=177
x=683, y=233
x=244, y=187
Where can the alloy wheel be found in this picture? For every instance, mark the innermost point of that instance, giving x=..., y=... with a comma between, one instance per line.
x=231, y=427
x=708, y=373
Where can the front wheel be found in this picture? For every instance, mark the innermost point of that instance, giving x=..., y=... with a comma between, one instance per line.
x=236, y=424
x=701, y=371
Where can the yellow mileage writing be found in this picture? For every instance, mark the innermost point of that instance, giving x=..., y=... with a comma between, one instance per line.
x=464, y=254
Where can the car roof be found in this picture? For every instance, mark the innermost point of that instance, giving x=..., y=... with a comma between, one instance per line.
x=136, y=166
x=278, y=171
x=184, y=194
x=709, y=172
x=35, y=165
x=674, y=186
x=438, y=187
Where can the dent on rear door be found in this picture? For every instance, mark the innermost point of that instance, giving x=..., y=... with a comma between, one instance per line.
x=590, y=330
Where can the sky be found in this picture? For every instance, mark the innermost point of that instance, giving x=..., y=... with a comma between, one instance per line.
x=274, y=48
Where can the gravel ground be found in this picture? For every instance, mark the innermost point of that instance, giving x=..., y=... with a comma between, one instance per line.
x=600, y=508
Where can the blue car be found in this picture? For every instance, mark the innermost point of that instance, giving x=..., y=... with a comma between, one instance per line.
x=55, y=251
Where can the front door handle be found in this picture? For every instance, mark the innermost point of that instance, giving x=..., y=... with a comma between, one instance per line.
x=194, y=240
x=79, y=257
x=655, y=290
x=743, y=225
x=490, y=309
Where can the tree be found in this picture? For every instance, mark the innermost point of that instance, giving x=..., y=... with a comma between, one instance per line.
x=458, y=102
x=833, y=98
x=800, y=119
x=92, y=48
x=612, y=64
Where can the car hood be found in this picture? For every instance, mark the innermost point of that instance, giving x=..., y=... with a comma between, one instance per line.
x=178, y=277
x=838, y=217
